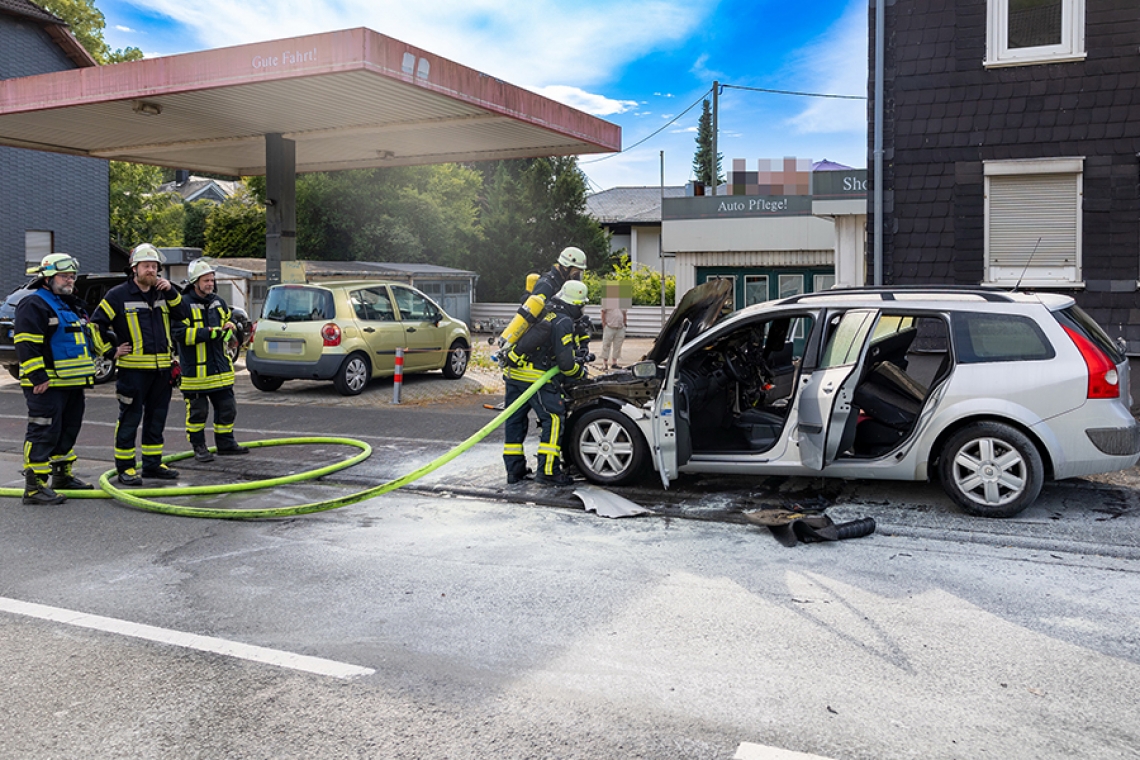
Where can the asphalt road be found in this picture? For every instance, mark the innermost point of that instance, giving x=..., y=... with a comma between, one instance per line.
x=465, y=618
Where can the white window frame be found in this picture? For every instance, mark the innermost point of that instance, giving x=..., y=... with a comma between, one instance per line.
x=1071, y=47
x=1041, y=266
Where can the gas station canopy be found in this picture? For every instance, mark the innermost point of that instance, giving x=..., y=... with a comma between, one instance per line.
x=346, y=99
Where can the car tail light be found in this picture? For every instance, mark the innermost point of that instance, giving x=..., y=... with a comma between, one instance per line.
x=330, y=334
x=1104, y=381
x=252, y=332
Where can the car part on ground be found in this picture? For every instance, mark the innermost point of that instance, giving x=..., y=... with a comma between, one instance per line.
x=347, y=332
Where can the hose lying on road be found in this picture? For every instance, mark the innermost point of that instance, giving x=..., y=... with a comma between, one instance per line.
x=137, y=497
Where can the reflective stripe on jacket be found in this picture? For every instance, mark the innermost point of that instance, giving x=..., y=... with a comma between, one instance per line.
x=51, y=342
x=206, y=366
x=143, y=320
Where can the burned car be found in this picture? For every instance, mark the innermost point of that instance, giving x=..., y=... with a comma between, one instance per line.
x=989, y=392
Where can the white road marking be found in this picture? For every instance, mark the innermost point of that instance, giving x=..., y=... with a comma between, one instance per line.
x=749, y=751
x=249, y=652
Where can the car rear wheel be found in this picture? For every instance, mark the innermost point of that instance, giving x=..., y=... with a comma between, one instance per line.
x=991, y=469
x=457, y=358
x=265, y=383
x=608, y=448
x=353, y=375
x=104, y=369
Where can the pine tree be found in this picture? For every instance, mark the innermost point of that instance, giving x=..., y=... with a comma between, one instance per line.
x=701, y=164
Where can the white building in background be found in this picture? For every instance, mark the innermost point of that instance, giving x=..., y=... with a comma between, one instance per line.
x=775, y=232
x=789, y=227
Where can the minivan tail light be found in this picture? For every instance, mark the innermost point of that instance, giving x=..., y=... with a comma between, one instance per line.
x=1104, y=380
x=330, y=334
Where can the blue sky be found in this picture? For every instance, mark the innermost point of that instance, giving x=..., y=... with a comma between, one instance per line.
x=637, y=63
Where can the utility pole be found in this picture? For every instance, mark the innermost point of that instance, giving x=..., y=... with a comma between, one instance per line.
x=712, y=158
x=661, y=240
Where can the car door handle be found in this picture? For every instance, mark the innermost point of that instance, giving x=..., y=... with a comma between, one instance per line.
x=411, y=329
x=829, y=388
x=369, y=329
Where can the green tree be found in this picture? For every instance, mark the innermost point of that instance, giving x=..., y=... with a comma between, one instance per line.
x=531, y=210
x=194, y=224
x=87, y=24
x=138, y=213
x=702, y=164
x=410, y=214
x=236, y=227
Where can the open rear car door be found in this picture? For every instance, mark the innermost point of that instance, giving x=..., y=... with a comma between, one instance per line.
x=825, y=406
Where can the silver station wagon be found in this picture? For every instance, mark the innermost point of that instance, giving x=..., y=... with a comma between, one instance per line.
x=990, y=392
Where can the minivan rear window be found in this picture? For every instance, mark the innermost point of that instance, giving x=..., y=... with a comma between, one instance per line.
x=297, y=303
x=982, y=337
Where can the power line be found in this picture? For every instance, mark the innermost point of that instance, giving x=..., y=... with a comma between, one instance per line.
x=793, y=92
x=669, y=123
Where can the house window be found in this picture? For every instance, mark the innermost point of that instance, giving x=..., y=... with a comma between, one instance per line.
x=1033, y=222
x=1034, y=31
x=37, y=244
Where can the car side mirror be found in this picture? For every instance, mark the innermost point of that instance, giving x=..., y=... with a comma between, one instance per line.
x=644, y=370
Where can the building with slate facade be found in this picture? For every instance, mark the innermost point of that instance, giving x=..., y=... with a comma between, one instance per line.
x=1011, y=142
x=50, y=202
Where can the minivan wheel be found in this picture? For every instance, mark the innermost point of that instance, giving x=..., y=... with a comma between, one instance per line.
x=264, y=382
x=457, y=357
x=608, y=448
x=991, y=469
x=353, y=375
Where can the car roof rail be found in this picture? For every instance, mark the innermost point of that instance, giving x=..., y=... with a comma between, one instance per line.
x=887, y=293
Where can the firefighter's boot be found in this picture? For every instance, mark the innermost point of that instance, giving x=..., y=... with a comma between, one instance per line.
x=63, y=478
x=36, y=491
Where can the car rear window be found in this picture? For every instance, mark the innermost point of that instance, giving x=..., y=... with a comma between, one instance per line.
x=297, y=303
x=981, y=337
x=1074, y=317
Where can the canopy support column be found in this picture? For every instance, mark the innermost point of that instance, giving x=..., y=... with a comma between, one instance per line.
x=280, y=205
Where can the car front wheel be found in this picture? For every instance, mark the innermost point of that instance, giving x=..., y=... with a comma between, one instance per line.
x=608, y=448
x=457, y=358
x=265, y=383
x=352, y=376
x=991, y=469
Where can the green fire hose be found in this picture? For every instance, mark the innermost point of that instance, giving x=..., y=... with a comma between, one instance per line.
x=137, y=497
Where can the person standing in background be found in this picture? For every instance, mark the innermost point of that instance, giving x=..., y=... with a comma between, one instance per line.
x=617, y=298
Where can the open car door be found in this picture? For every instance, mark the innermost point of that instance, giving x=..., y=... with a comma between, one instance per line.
x=670, y=418
x=825, y=395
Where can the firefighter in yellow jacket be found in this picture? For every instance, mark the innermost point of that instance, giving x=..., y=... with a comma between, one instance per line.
x=207, y=370
x=55, y=366
x=139, y=313
x=550, y=342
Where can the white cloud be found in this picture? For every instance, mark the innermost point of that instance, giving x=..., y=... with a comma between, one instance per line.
x=836, y=63
x=591, y=103
x=126, y=29
x=534, y=44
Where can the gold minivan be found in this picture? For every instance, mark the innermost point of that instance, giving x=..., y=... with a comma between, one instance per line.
x=348, y=332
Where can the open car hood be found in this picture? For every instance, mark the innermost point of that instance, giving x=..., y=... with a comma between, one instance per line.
x=702, y=307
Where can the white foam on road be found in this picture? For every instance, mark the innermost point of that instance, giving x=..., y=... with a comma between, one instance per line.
x=748, y=751
x=275, y=657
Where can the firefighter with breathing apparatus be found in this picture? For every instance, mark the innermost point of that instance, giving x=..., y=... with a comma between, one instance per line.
x=551, y=342
x=569, y=267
